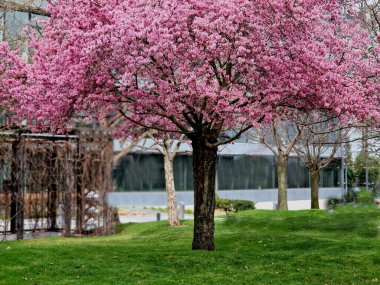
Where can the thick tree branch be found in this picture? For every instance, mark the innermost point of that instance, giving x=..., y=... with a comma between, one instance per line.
x=144, y=125
x=26, y=8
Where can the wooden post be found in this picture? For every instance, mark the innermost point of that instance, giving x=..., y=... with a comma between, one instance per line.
x=52, y=194
x=17, y=203
x=79, y=185
x=67, y=196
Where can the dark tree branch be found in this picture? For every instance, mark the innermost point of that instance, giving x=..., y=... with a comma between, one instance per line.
x=236, y=136
x=26, y=8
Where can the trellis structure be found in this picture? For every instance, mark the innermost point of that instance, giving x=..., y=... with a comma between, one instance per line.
x=55, y=183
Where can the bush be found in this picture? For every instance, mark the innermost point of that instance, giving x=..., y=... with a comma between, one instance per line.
x=348, y=198
x=224, y=205
x=242, y=205
x=235, y=206
x=364, y=197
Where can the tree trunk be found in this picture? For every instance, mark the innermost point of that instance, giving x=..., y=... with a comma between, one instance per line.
x=173, y=215
x=314, y=184
x=204, y=167
x=282, y=200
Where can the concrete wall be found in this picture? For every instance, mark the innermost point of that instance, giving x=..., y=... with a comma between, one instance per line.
x=265, y=199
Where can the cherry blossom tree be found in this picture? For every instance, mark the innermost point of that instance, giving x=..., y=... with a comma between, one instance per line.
x=205, y=69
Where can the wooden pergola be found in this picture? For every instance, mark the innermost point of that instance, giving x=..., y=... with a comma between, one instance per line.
x=55, y=183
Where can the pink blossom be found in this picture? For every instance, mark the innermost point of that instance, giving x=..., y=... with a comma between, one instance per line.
x=175, y=65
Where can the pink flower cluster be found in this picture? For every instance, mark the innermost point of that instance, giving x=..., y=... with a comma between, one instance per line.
x=13, y=77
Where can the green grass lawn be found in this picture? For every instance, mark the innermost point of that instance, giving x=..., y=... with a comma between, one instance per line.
x=253, y=247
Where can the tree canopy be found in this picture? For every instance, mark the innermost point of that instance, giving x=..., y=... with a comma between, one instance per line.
x=187, y=66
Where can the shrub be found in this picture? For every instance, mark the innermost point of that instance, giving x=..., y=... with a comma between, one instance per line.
x=242, y=205
x=228, y=206
x=348, y=198
x=223, y=204
x=364, y=197
x=333, y=202
x=188, y=211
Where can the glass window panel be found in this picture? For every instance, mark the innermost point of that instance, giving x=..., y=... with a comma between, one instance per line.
x=241, y=172
x=15, y=22
x=36, y=23
x=225, y=172
x=330, y=175
x=297, y=174
x=13, y=25
x=2, y=25
x=140, y=172
x=183, y=173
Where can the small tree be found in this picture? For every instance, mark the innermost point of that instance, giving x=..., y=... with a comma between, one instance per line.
x=320, y=140
x=169, y=148
x=280, y=138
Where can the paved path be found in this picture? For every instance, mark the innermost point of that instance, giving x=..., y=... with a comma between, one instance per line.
x=136, y=215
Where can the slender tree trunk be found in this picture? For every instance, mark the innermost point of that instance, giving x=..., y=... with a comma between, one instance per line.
x=173, y=215
x=204, y=167
x=282, y=200
x=314, y=184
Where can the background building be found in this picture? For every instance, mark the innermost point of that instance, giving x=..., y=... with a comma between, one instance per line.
x=245, y=170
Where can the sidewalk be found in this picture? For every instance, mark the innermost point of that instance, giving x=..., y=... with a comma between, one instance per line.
x=139, y=215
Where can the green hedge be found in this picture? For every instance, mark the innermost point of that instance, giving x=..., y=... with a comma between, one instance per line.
x=363, y=197
x=235, y=206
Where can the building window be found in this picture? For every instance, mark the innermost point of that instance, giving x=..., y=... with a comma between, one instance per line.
x=145, y=172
